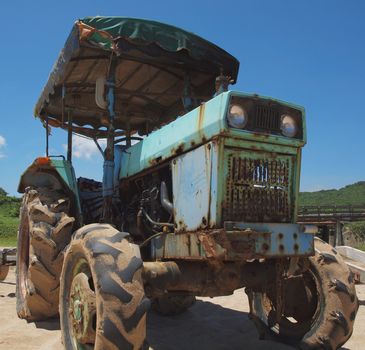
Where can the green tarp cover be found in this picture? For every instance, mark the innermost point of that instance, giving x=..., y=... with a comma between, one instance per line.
x=168, y=37
x=154, y=61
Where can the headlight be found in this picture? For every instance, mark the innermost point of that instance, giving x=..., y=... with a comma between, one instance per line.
x=237, y=116
x=288, y=126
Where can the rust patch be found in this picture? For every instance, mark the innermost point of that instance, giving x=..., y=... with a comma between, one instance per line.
x=208, y=245
x=201, y=117
x=200, y=125
x=265, y=247
x=179, y=149
x=217, y=244
x=211, y=243
x=155, y=161
x=243, y=247
x=204, y=221
x=261, y=135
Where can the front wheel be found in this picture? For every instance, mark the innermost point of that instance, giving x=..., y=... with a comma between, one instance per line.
x=319, y=305
x=102, y=300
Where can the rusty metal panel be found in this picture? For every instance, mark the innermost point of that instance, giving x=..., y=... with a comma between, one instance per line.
x=192, y=188
x=238, y=241
x=285, y=239
x=258, y=186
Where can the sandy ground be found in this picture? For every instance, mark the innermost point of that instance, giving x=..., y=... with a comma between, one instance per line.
x=219, y=323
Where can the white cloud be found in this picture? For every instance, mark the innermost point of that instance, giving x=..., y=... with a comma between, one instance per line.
x=2, y=145
x=85, y=148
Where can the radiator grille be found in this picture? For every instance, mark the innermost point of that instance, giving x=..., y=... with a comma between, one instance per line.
x=257, y=190
x=267, y=118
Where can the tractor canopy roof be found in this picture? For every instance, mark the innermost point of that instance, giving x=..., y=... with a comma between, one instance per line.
x=155, y=64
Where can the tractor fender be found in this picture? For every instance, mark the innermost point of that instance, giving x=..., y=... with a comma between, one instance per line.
x=53, y=174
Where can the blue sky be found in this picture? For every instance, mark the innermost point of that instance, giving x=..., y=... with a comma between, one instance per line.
x=309, y=52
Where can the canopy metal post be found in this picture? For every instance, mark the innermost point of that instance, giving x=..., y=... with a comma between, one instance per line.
x=47, y=137
x=108, y=174
x=128, y=134
x=63, y=105
x=69, y=137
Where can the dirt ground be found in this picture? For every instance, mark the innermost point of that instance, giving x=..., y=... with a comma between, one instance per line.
x=219, y=323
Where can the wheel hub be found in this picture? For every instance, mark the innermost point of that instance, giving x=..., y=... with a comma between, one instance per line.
x=82, y=309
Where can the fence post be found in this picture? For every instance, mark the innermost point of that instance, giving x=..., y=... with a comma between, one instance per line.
x=339, y=238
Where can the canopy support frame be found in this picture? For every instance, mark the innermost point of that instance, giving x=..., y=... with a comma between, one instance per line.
x=109, y=164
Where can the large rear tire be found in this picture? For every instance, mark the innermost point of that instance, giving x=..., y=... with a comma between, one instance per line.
x=320, y=306
x=45, y=229
x=102, y=300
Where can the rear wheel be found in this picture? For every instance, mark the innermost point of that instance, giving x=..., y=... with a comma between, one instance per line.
x=102, y=300
x=319, y=308
x=170, y=305
x=44, y=231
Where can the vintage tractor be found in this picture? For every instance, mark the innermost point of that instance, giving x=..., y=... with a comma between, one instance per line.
x=199, y=197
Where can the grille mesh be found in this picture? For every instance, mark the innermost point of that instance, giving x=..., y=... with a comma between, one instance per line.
x=267, y=118
x=257, y=190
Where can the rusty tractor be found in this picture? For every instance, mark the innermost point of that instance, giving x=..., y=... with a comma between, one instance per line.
x=199, y=196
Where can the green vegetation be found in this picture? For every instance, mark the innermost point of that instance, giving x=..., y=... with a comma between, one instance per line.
x=352, y=194
x=9, y=218
x=361, y=247
x=358, y=230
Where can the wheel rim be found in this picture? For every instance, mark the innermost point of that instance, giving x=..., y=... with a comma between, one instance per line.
x=301, y=310
x=82, y=307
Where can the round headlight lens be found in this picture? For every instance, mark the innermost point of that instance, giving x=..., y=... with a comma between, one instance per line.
x=237, y=117
x=288, y=126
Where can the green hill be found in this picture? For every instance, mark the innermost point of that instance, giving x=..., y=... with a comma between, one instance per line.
x=352, y=194
x=9, y=218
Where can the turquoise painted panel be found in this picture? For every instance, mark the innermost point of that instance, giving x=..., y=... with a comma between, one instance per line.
x=67, y=173
x=191, y=183
x=181, y=135
x=195, y=128
x=285, y=239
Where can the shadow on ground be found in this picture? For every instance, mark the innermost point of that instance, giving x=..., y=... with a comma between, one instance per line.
x=50, y=325
x=204, y=326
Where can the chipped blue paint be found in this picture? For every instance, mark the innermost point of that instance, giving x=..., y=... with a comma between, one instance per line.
x=285, y=239
x=247, y=241
x=192, y=188
x=67, y=173
x=197, y=127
